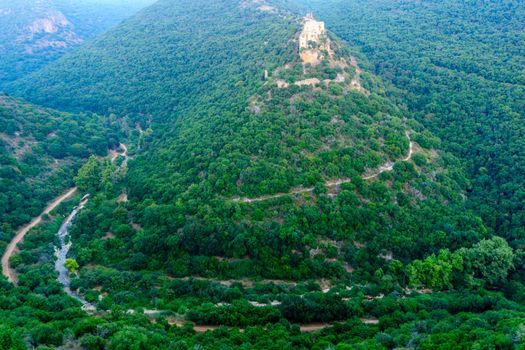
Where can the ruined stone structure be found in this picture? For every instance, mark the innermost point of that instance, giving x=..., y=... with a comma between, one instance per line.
x=313, y=31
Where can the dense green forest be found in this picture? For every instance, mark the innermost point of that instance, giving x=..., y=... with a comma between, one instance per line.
x=37, y=314
x=35, y=33
x=270, y=203
x=460, y=67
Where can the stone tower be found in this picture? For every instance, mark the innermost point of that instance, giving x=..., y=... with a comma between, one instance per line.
x=312, y=31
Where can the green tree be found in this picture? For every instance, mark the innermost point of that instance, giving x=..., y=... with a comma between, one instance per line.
x=435, y=271
x=489, y=260
x=71, y=265
x=89, y=176
x=128, y=339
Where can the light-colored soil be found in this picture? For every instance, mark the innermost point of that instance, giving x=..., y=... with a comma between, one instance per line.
x=281, y=84
x=307, y=82
x=122, y=198
x=245, y=282
x=20, y=234
x=305, y=328
x=370, y=321
x=356, y=81
x=310, y=57
x=19, y=145
x=113, y=154
x=108, y=236
x=312, y=327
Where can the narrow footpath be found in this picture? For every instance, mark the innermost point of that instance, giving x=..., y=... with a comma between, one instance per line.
x=389, y=166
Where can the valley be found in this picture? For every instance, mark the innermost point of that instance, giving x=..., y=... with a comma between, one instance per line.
x=12, y=246
x=35, y=33
x=261, y=174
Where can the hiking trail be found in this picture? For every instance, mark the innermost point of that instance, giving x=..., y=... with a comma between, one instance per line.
x=389, y=166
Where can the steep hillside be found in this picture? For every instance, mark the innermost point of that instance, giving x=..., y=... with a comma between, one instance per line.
x=173, y=63
x=40, y=152
x=35, y=33
x=460, y=68
x=302, y=173
x=280, y=196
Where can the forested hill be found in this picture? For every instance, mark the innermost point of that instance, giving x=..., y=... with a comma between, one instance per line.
x=238, y=113
x=35, y=33
x=173, y=55
x=277, y=162
x=277, y=182
x=459, y=65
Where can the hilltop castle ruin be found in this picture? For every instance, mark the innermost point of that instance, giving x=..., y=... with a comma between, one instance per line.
x=313, y=31
x=313, y=41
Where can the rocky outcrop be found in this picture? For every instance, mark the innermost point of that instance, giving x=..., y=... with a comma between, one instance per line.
x=50, y=30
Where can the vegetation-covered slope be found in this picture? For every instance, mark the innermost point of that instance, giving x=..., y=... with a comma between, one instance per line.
x=221, y=131
x=35, y=33
x=460, y=66
x=281, y=134
x=40, y=152
x=256, y=200
x=173, y=63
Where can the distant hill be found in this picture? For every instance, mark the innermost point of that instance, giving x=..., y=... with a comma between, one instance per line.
x=164, y=60
x=35, y=33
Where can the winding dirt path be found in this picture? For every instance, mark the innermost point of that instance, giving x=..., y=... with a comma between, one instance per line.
x=20, y=234
x=389, y=166
x=124, y=154
x=124, y=195
x=305, y=327
x=11, y=248
x=113, y=154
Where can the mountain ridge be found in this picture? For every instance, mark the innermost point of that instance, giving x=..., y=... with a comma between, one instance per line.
x=226, y=99
x=36, y=33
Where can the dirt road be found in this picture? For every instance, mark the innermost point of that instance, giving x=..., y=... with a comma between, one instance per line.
x=12, y=247
x=305, y=328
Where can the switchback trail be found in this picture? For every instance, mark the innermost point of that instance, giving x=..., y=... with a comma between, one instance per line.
x=20, y=234
x=113, y=154
x=389, y=166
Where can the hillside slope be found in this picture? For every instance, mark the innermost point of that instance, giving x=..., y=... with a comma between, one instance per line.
x=40, y=152
x=276, y=189
x=459, y=67
x=170, y=63
x=35, y=33
x=358, y=181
